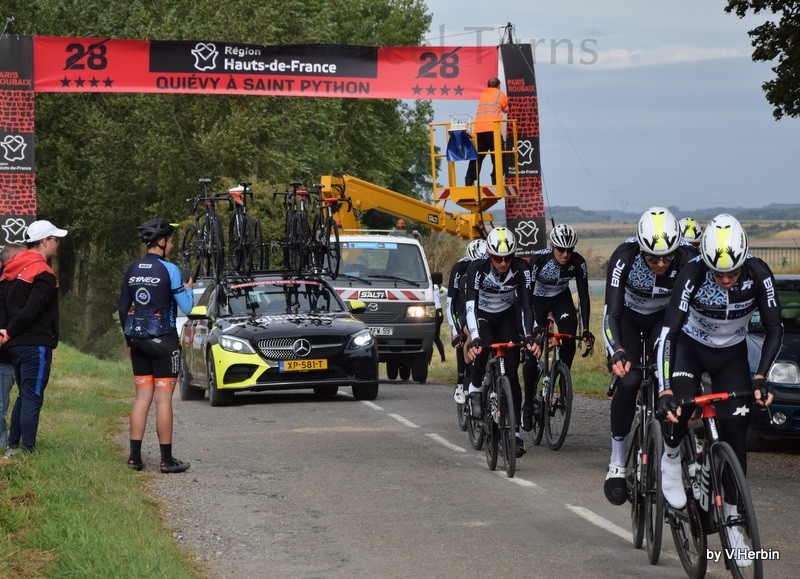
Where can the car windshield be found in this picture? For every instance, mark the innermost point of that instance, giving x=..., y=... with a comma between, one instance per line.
x=373, y=259
x=789, y=298
x=276, y=297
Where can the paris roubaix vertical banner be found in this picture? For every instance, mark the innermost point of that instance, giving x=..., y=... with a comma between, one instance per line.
x=17, y=166
x=143, y=66
x=525, y=213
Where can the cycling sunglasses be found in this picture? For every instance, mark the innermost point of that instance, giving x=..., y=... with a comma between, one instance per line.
x=502, y=258
x=564, y=249
x=730, y=275
x=654, y=259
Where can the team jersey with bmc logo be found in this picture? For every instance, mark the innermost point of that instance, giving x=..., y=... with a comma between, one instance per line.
x=493, y=293
x=549, y=278
x=718, y=318
x=632, y=285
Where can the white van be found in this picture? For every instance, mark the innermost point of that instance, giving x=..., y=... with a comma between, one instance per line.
x=390, y=274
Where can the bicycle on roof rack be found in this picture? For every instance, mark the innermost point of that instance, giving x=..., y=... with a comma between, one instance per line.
x=313, y=248
x=245, y=232
x=202, y=245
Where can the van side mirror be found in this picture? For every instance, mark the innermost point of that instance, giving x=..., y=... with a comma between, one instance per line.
x=198, y=313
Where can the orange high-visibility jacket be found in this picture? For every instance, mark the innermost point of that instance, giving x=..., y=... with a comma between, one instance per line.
x=491, y=106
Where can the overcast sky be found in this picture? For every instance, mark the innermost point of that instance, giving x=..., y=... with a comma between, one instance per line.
x=665, y=109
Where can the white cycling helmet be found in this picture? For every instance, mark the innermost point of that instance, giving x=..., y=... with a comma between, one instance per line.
x=724, y=244
x=691, y=230
x=563, y=236
x=476, y=249
x=501, y=242
x=658, y=232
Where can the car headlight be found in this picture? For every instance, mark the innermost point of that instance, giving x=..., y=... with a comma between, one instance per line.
x=421, y=312
x=237, y=345
x=362, y=339
x=783, y=372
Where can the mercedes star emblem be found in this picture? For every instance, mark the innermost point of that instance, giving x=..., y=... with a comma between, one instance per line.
x=301, y=348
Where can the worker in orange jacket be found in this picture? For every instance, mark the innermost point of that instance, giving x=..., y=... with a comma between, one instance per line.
x=493, y=103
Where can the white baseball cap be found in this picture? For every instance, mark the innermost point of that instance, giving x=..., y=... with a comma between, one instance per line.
x=39, y=230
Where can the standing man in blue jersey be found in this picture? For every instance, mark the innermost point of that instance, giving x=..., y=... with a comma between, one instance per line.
x=151, y=292
x=29, y=322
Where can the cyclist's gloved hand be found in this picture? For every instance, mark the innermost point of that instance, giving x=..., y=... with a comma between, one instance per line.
x=588, y=337
x=763, y=387
x=619, y=357
x=475, y=344
x=458, y=341
x=529, y=340
x=666, y=404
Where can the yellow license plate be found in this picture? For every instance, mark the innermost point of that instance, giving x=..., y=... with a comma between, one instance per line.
x=303, y=365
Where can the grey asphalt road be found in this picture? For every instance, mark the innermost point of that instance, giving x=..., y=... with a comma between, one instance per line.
x=290, y=485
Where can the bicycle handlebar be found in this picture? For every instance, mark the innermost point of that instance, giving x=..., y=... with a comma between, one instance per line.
x=713, y=398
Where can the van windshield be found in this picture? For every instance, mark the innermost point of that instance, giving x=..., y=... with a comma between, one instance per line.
x=378, y=258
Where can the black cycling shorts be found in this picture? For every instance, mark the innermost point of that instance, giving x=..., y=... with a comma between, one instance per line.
x=159, y=357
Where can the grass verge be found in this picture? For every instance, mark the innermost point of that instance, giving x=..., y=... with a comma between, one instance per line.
x=73, y=508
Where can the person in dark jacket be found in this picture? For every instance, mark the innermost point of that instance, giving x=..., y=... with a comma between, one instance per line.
x=29, y=322
x=151, y=292
x=6, y=368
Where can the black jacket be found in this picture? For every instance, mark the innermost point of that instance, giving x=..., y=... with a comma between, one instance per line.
x=29, y=301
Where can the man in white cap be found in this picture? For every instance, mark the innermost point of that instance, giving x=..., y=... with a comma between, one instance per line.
x=29, y=322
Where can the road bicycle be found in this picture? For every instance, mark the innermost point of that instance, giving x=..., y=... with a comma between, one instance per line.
x=643, y=464
x=202, y=245
x=718, y=498
x=499, y=419
x=326, y=253
x=552, y=409
x=245, y=232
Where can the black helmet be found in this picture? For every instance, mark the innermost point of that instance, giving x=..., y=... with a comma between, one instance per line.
x=155, y=229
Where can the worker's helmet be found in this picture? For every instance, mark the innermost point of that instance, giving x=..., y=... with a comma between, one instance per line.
x=563, y=236
x=691, y=230
x=658, y=232
x=501, y=242
x=724, y=244
x=476, y=249
x=155, y=229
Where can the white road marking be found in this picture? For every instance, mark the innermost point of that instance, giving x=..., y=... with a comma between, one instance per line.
x=519, y=481
x=404, y=421
x=371, y=405
x=596, y=519
x=444, y=442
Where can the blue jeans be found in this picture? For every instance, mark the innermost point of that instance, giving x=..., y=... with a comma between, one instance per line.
x=6, y=382
x=32, y=368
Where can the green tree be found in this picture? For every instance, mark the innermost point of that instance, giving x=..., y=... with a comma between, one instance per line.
x=105, y=163
x=777, y=39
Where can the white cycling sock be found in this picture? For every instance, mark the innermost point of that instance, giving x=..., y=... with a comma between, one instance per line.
x=618, y=449
x=671, y=477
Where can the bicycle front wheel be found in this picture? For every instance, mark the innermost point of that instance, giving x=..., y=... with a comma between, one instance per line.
x=333, y=251
x=216, y=249
x=237, y=242
x=257, y=249
x=633, y=477
x=653, y=497
x=190, y=252
x=558, y=406
x=462, y=416
x=506, y=425
x=475, y=430
x=490, y=425
x=736, y=516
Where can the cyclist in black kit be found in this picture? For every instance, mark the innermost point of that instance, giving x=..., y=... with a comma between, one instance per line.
x=498, y=310
x=640, y=281
x=551, y=270
x=151, y=291
x=704, y=331
x=476, y=249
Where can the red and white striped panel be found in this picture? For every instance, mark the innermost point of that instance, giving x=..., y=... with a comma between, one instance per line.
x=392, y=295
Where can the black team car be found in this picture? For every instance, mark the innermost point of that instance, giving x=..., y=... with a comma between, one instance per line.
x=783, y=418
x=275, y=331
